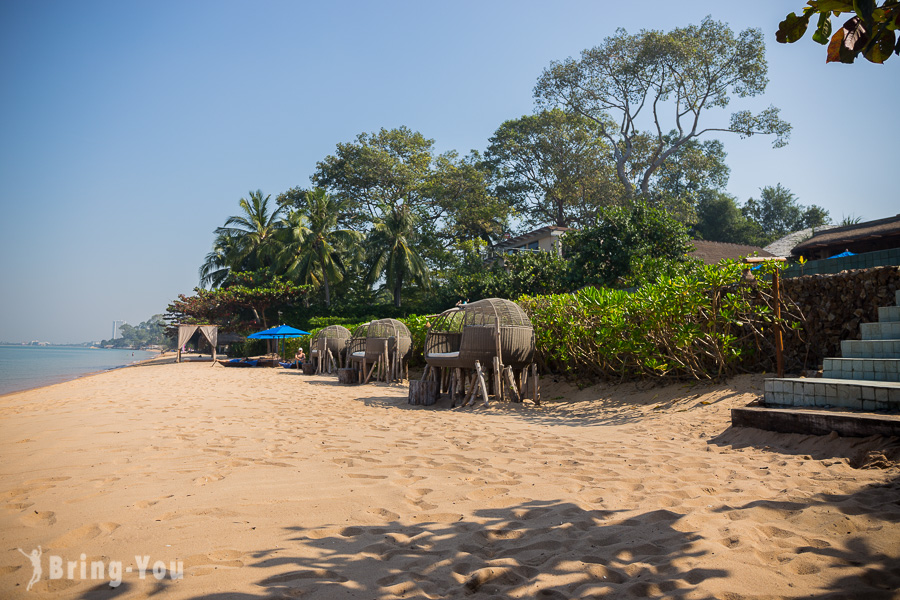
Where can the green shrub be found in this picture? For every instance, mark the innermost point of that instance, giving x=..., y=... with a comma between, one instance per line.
x=690, y=326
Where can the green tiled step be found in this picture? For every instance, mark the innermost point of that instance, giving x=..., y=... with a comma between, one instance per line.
x=888, y=314
x=871, y=369
x=880, y=331
x=831, y=393
x=870, y=348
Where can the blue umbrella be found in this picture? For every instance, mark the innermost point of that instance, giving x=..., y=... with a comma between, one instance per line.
x=278, y=333
x=842, y=254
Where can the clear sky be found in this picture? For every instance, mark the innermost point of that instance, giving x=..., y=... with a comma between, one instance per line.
x=130, y=130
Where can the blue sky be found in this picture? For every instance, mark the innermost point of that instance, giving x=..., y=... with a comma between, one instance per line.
x=129, y=131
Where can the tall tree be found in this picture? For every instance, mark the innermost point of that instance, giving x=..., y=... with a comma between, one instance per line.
x=463, y=205
x=686, y=71
x=392, y=251
x=314, y=248
x=385, y=169
x=870, y=32
x=719, y=219
x=247, y=241
x=554, y=167
x=778, y=213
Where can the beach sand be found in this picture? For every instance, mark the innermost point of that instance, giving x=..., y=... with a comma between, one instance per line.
x=266, y=483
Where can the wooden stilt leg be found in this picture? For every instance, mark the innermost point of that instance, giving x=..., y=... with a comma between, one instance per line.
x=498, y=386
x=535, y=385
x=479, y=375
x=511, y=385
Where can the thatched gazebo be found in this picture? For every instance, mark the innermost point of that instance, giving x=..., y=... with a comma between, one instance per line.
x=385, y=344
x=327, y=347
x=489, y=335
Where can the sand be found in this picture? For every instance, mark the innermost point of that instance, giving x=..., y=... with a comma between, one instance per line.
x=265, y=483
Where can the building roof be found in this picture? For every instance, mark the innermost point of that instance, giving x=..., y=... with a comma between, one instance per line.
x=531, y=236
x=712, y=252
x=840, y=237
x=782, y=247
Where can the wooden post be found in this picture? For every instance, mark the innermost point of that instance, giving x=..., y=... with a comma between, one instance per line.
x=498, y=386
x=779, y=340
x=348, y=375
x=480, y=381
x=535, y=382
x=511, y=384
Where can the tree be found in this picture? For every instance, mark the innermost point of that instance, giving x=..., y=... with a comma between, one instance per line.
x=687, y=71
x=870, y=32
x=719, y=219
x=612, y=252
x=392, y=251
x=241, y=306
x=554, y=167
x=464, y=207
x=379, y=171
x=313, y=247
x=778, y=213
x=247, y=242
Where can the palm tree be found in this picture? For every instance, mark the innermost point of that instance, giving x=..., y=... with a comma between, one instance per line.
x=246, y=242
x=392, y=253
x=314, y=250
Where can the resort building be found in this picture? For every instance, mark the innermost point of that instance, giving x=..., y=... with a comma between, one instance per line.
x=545, y=239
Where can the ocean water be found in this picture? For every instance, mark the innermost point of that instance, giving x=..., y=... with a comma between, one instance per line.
x=26, y=367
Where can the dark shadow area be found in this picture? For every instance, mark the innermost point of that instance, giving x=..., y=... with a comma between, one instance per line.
x=860, y=453
x=880, y=503
x=533, y=550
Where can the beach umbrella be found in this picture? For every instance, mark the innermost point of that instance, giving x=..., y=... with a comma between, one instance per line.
x=278, y=333
x=842, y=254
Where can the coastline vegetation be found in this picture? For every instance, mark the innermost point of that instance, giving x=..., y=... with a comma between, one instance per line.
x=391, y=228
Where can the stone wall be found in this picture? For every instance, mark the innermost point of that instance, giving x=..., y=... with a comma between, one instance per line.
x=834, y=306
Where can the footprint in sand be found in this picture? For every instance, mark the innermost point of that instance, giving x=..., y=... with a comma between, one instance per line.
x=212, y=477
x=384, y=513
x=83, y=534
x=148, y=503
x=42, y=518
x=204, y=564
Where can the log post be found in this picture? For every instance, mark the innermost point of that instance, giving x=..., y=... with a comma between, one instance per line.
x=535, y=383
x=348, y=375
x=498, y=386
x=481, y=385
x=511, y=385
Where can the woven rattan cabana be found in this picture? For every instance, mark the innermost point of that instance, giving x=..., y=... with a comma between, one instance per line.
x=385, y=344
x=494, y=334
x=327, y=347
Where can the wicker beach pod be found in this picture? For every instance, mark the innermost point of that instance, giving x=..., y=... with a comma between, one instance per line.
x=356, y=345
x=333, y=338
x=467, y=333
x=368, y=340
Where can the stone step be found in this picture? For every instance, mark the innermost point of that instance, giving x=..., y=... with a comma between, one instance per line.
x=888, y=314
x=833, y=393
x=871, y=369
x=816, y=421
x=880, y=331
x=870, y=348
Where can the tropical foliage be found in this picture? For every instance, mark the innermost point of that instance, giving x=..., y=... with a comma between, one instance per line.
x=871, y=31
x=708, y=324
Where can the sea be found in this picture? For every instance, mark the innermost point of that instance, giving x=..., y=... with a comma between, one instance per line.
x=27, y=367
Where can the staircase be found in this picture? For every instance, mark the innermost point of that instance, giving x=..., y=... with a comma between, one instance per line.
x=865, y=380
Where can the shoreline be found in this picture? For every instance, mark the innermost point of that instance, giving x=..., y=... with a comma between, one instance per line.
x=67, y=378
